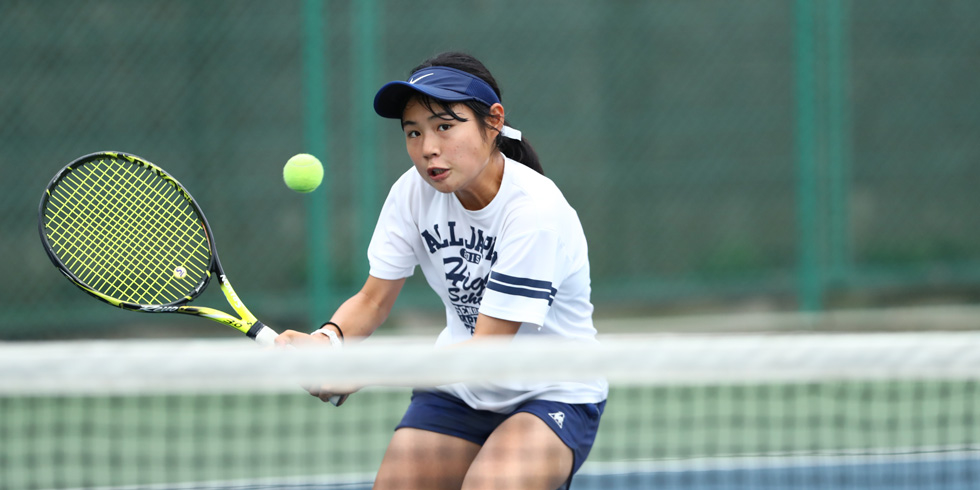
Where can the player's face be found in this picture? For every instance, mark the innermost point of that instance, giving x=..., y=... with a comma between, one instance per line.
x=452, y=155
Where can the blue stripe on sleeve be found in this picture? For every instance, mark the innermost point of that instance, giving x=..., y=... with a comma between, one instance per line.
x=519, y=281
x=520, y=286
x=530, y=293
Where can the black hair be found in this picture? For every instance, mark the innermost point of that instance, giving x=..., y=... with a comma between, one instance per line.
x=519, y=150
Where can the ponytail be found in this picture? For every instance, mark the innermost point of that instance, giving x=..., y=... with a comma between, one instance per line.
x=519, y=150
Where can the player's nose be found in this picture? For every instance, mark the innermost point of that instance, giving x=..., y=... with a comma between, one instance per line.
x=430, y=146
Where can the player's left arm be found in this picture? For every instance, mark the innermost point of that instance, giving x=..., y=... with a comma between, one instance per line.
x=488, y=326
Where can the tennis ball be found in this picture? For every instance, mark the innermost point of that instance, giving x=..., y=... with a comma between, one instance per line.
x=303, y=173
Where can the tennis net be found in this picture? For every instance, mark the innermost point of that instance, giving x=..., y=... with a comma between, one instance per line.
x=777, y=411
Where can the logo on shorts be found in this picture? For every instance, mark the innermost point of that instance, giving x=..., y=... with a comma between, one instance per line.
x=559, y=418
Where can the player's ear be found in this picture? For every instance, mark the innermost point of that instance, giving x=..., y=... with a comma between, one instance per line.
x=496, y=118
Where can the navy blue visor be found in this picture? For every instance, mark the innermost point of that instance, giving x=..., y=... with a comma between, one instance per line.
x=440, y=83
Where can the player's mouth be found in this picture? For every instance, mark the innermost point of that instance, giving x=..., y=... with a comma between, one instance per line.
x=437, y=174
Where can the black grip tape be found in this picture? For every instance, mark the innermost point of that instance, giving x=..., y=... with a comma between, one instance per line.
x=254, y=330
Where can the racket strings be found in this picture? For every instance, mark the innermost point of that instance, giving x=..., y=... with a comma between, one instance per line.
x=125, y=230
x=134, y=205
x=139, y=206
x=113, y=221
x=145, y=259
x=96, y=219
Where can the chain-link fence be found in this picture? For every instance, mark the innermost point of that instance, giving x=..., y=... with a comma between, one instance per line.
x=805, y=150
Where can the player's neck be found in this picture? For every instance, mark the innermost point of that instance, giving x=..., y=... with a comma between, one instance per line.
x=485, y=186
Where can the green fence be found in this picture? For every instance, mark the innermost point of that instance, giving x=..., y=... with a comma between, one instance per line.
x=812, y=151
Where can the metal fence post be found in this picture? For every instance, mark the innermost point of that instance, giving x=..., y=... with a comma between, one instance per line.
x=366, y=62
x=808, y=272
x=315, y=133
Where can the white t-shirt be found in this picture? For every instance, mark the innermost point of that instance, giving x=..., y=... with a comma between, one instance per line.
x=521, y=258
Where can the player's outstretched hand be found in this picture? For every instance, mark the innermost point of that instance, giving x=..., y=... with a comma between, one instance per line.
x=298, y=339
x=325, y=392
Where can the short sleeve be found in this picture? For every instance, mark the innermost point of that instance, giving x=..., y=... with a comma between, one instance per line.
x=524, y=281
x=391, y=253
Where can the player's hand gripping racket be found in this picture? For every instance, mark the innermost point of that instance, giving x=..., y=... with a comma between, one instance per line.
x=125, y=231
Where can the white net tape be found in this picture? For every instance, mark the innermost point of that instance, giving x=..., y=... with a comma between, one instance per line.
x=239, y=365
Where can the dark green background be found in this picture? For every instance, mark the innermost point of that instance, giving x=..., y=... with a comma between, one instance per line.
x=813, y=153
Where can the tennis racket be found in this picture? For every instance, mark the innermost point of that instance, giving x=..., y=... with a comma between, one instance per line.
x=126, y=232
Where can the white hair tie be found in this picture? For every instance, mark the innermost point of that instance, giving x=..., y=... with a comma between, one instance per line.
x=509, y=132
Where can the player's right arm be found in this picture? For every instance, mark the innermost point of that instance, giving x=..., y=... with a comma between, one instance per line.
x=364, y=312
x=359, y=316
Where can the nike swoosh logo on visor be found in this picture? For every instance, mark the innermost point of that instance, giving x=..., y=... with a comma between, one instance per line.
x=412, y=81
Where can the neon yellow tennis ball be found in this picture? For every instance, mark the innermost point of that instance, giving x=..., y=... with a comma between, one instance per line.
x=303, y=173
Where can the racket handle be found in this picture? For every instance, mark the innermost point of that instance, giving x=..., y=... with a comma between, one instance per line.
x=266, y=336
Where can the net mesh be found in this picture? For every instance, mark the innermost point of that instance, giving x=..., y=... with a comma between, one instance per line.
x=797, y=411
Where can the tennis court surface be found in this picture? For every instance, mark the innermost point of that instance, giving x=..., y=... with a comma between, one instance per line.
x=786, y=411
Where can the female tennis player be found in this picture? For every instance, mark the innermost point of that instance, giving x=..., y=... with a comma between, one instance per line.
x=499, y=243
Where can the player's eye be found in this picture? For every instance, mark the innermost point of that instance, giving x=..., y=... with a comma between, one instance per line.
x=411, y=134
x=444, y=127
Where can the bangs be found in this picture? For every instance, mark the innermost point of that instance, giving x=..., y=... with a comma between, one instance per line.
x=436, y=106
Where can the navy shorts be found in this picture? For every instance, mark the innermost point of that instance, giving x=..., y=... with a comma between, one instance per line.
x=436, y=411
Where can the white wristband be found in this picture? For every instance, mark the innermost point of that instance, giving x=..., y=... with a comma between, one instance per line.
x=334, y=339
